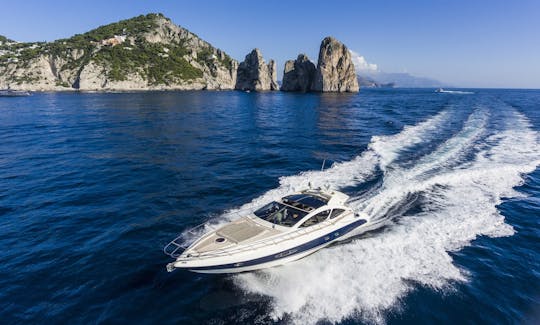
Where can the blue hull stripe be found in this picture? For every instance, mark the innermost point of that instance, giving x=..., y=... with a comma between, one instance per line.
x=293, y=251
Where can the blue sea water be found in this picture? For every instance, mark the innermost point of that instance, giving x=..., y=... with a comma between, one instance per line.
x=92, y=186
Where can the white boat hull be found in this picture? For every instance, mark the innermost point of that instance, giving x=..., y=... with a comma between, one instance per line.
x=261, y=266
x=271, y=259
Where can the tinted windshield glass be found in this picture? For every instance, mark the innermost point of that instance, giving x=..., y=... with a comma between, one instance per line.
x=280, y=214
x=305, y=201
x=336, y=212
x=319, y=217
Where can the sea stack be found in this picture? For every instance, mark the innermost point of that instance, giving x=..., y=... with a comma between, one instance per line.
x=254, y=74
x=298, y=74
x=335, y=69
x=272, y=71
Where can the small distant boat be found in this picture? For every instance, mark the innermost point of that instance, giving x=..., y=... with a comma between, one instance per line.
x=13, y=93
x=456, y=92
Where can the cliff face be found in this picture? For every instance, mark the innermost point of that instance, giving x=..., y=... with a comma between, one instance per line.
x=255, y=74
x=149, y=52
x=298, y=74
x=145, y=52
x=335, y=69
x=272, y=72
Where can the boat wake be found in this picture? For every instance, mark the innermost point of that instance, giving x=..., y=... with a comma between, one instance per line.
x=455, y=190
x=456, y=92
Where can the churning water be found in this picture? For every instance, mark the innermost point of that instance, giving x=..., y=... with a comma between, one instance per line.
x=93, y=185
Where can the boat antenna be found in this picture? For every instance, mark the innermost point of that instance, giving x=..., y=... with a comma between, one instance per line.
x=322, y=167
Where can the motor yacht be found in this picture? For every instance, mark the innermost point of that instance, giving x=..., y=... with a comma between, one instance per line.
x=280, y=232
x=13, y=93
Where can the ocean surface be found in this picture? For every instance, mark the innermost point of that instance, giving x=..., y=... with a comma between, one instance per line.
x=92, y=186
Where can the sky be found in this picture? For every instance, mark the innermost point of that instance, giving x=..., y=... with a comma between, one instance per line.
x=493, y=44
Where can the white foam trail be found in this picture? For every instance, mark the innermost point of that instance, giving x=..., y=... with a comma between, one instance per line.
x=398, y=183
x=388, y=148
x=367, y=277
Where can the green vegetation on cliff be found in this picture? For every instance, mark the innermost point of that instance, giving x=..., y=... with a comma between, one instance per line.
x=89, y=44
x=4, y=39
x=155, y=62
x=133, y=26
x=147, y=45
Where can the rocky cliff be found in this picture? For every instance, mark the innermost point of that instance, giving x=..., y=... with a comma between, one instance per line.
x=255, y=74
x=298, y=74
x=149, y=52
x=145, y=52
x=335, y=69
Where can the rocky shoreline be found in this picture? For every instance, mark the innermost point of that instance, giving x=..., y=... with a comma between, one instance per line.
x=150, y=53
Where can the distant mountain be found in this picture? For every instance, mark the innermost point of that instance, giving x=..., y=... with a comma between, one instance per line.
x=144, y=52
x=402, y=80
x=370, y=76
x=368, y=82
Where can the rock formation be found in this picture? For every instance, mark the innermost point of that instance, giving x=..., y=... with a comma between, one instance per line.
x=154, y=54
x=272, y=71
x=149, y=52
x=255, y=74
x=335, y=69
x=298, y=74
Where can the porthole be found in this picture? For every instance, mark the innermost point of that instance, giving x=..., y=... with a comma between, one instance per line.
x=220, y=240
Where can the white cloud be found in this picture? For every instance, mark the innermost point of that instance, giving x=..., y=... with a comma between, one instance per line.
x=361, y=64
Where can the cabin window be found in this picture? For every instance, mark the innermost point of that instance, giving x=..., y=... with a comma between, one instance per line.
x=280, y=214
x=319, y=217
x=336, y=212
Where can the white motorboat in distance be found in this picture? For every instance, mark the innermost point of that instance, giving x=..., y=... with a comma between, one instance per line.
x=13, y=93
x=280, y=232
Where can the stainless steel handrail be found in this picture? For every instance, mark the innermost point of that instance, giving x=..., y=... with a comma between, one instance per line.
x=175, y=247
x=180, y=243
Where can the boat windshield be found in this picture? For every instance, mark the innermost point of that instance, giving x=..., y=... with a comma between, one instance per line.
x=280, y=214
x=306, y=202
